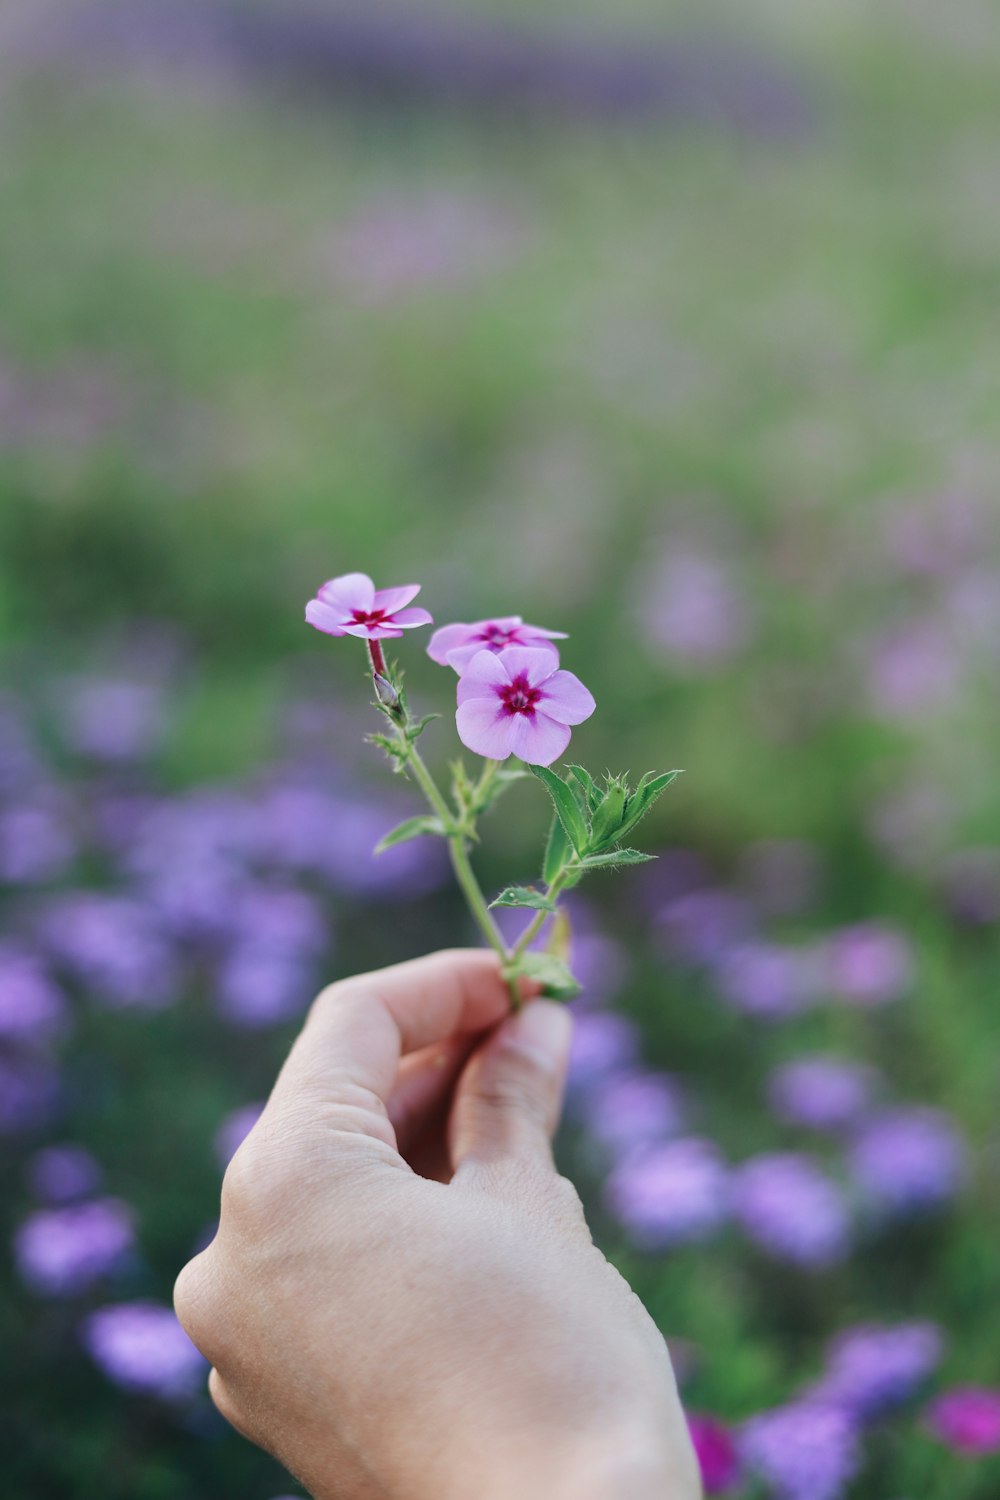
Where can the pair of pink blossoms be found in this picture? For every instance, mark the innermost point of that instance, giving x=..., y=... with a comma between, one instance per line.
x=513, y=696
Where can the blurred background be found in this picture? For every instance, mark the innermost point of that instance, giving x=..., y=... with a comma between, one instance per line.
x=674, y=329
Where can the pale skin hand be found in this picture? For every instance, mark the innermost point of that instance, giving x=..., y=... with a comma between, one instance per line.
x=403, y=1299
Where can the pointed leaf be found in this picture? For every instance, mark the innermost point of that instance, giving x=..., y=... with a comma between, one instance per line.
x=413, y=828
x=616, y=857
x=646, y=793
x=567, y=809
x=523, y=895
x=585, y=779
x=557, y=852
x=550, y=972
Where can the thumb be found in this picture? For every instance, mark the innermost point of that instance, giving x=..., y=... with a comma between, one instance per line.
x=509, y=1097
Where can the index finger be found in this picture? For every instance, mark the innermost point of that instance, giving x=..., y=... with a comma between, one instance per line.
x=358, y=1029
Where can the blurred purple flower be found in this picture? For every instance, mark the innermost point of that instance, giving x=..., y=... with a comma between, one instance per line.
x=32, y=1008
x=909, y=1161
x=113, y=719
x=20, y=766
x=801, y=1451
x=60, y=1174
x=821, y=1092
x=113, y=945
x=913, y=672
x=672, y=1194
x=29, y=1093
x=142, y=1347
x=280, y=918
x=782, y=876
x=791, y=1210
x=870, y=963
x=718, y=1459
x=769, y=981
x=36, y=844
x=701, y=926
x=262, y=986
x=967, y=1419
x=233, y=1131
x=601, y=1043
x=63, y=1251
x=872, y=1368
x=691, y=606
x=632, y=1108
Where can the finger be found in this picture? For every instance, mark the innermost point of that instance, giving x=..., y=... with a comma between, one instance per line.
x=423, y=1088
x=350, y=1047
x=508, y=1100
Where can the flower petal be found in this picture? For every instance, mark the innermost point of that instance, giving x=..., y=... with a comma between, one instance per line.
x=330, y=621
x=536, y=663
x=485, y=673
x=484, y=727
x=548, y=635
x=449, y=638
x=537, y=739
x=392, y=599
x=409, y=619
x=565, y=698
x=349, y=592
x=372, y=632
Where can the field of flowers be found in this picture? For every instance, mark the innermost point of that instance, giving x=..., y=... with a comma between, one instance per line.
x=713, y=387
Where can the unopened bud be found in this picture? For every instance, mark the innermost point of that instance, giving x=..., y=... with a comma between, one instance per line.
x=385, y=692
x=610, y=811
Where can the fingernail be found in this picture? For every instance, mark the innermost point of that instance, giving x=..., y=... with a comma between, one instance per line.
x=540, y=1031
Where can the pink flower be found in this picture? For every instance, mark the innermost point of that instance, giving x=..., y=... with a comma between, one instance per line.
x=456, y=645
x=519, y=702
x=716, y=1451
x=351, y=605
x=967, y=1419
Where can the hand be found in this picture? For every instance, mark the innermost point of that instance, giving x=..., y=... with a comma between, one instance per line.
x=453, y=1335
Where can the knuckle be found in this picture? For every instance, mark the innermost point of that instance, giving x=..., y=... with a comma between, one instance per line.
x=196, y=1300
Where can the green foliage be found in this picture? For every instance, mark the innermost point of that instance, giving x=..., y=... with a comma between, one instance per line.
x=523, y=895
x=550, y=972
x=411, y=828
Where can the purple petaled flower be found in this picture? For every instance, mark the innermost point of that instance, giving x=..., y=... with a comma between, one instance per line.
x=63, y=1251
x=59, y=1174
x=29, y=1093
x=351, y=605
x=821, y=1092
x=967, y=1419
x=803, y=1451
x=142, y=1347
x=234, y=1130
x=671, y=1194
x=32, y=1009
x=456, y=645
x=602, y=1042
x=113, y=945
x=908, y=1162
x=260, y=985
x=113, y=719
x=715, y=1450
x=770, y=981
x=791, y=1210
x=871, y=1368
x=519, y=702
x=700, y=926
x=633, y=1108
x=870, y=963
x=35, y=842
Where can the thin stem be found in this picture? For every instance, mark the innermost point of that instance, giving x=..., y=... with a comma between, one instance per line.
x=534, y=927
x=377, y=659
x=464, y=873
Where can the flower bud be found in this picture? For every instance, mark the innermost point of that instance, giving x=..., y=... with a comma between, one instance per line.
x=385, y=692
x=611, y=811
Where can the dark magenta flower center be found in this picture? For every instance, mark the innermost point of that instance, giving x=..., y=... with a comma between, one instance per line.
x=369, y=616
x=519, y=697
x=497, y=635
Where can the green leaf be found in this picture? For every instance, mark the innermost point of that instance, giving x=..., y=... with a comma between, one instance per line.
x=550, y=972
x=585, y=779
x=413, y=828
x=616, y=857
x=646, y=793
x=421, y=724
x=523, y=895
x=566, y=806
x=610, y=814
x=557, y=851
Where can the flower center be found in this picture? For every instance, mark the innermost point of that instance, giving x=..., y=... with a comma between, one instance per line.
x=497, y=635
x=368, y=617
x=519, y=697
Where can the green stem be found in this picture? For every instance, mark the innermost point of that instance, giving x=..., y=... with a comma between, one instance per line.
x=535, y=925
x=464, y=873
